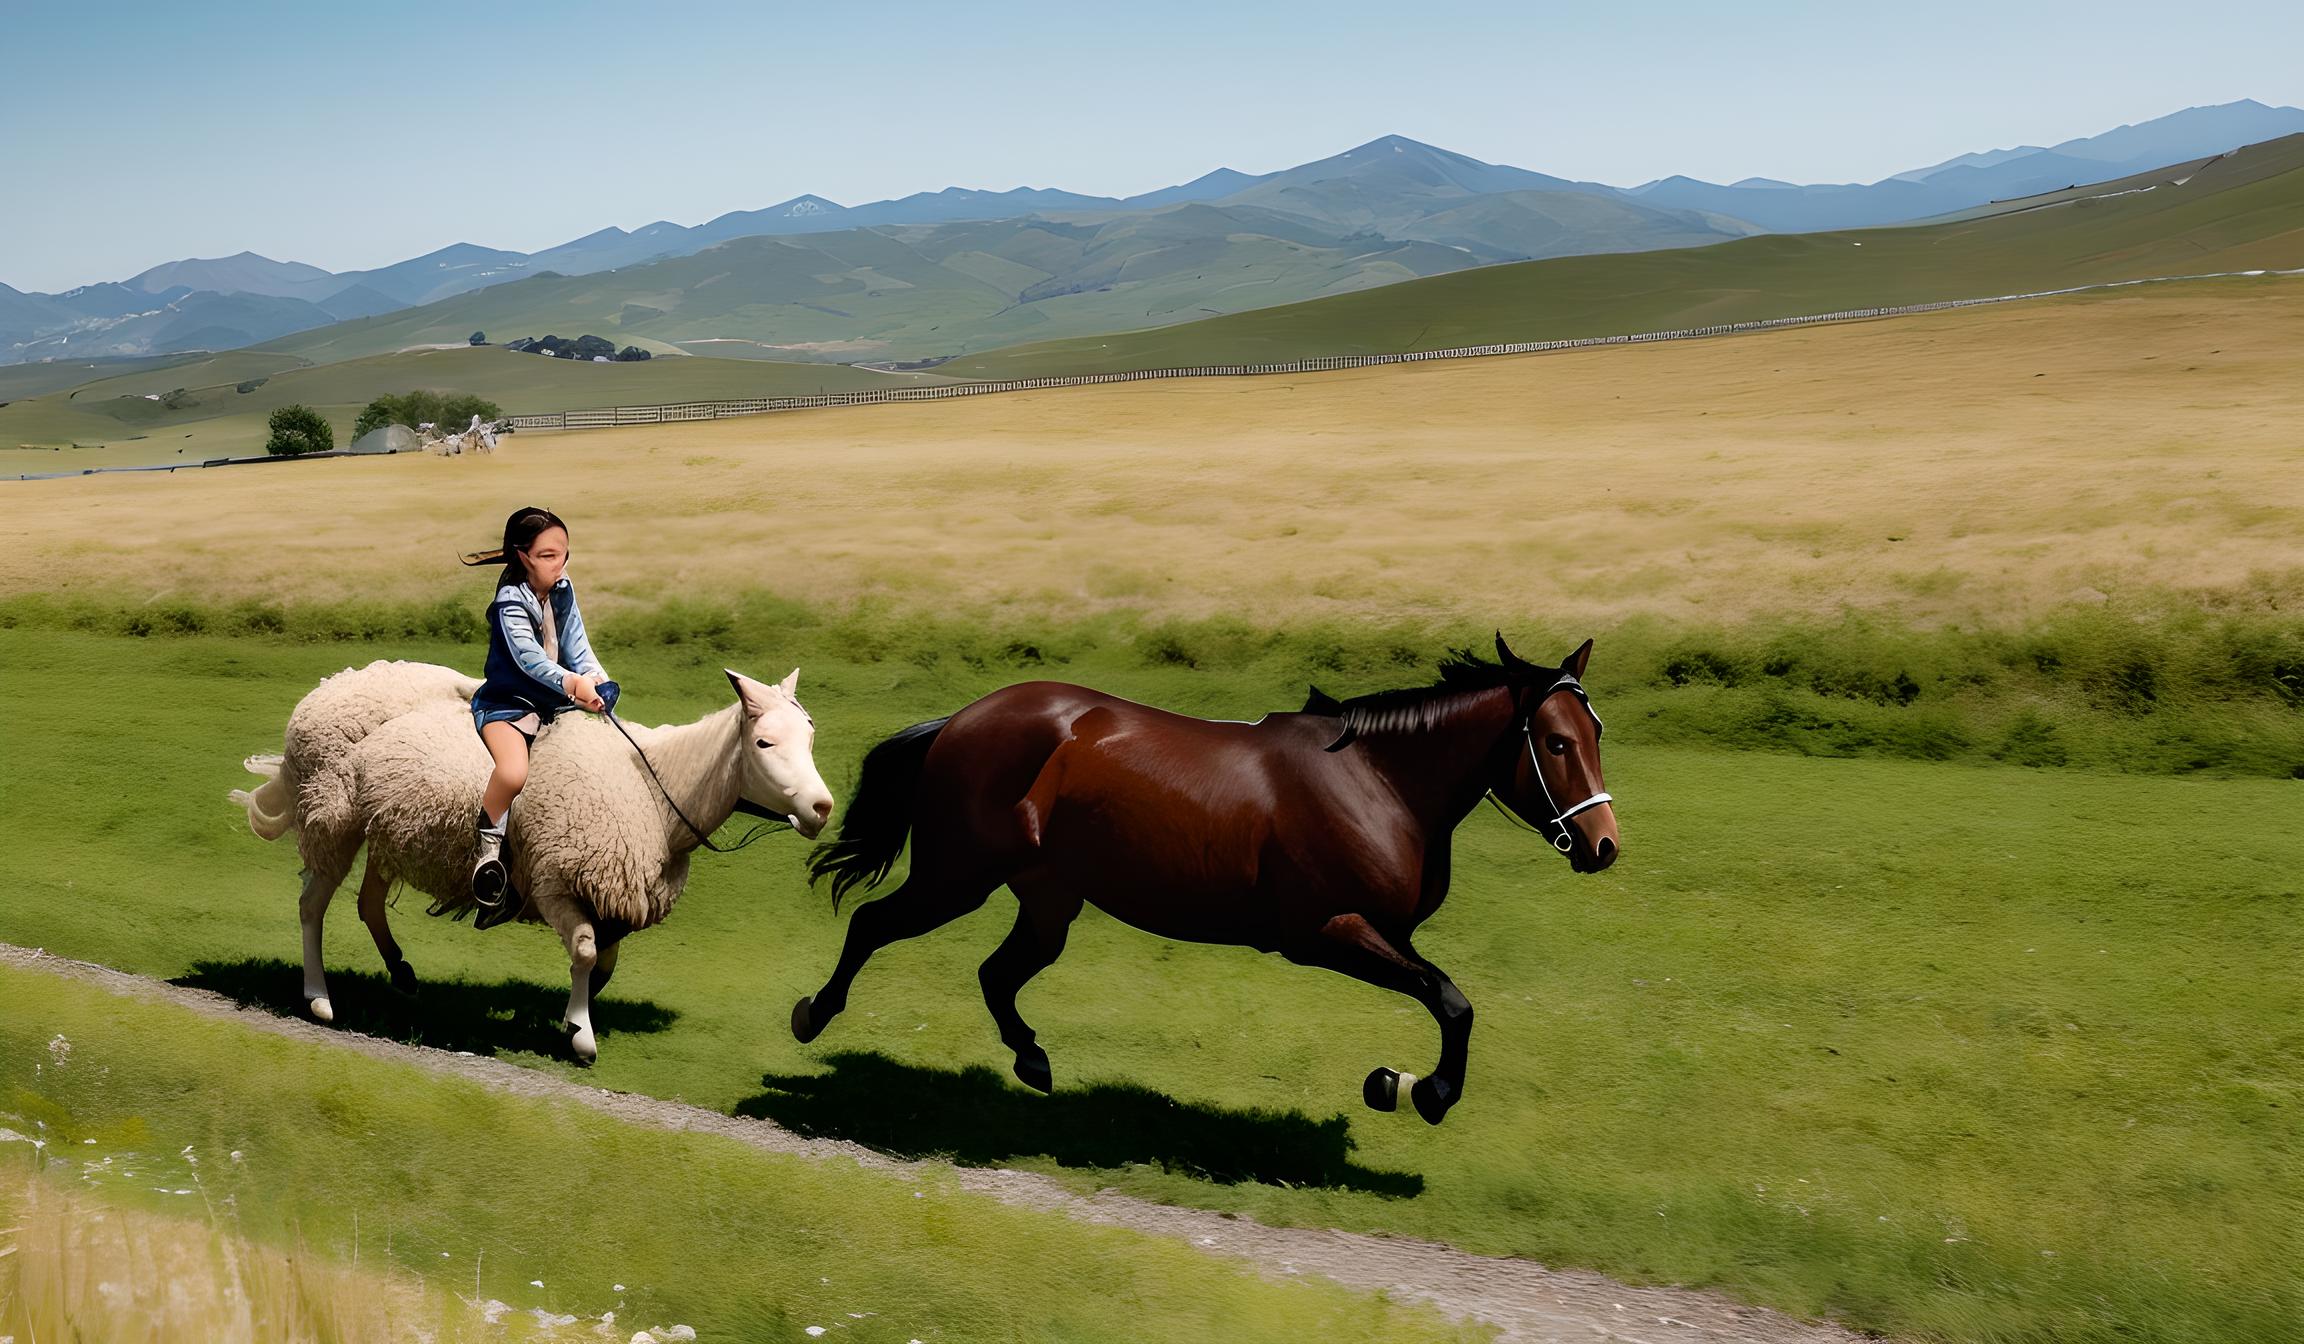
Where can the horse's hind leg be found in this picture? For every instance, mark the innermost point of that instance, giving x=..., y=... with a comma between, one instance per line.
x=907, y=912
x=374, y=887
x=1043, y=921
x=320, y=883
x=1351, y=945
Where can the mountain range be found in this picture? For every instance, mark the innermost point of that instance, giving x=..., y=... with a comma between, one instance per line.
x=1392, y=209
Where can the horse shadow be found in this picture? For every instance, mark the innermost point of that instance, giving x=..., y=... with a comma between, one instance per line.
x=505, y=1017
x=976, y=1117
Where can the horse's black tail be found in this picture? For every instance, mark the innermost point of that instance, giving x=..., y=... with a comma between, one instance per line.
x=879, y=817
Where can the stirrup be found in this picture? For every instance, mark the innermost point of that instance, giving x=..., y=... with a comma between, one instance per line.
x=506, y=909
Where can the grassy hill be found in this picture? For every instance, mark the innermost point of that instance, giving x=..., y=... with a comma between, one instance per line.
x=111, y=423
x=2240, y=212
x=898, y=293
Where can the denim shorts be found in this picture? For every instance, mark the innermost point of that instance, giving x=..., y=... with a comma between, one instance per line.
x=485, y=712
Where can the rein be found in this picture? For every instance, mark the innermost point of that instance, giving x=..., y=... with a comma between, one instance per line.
x=1565, y=841
x=743, y=804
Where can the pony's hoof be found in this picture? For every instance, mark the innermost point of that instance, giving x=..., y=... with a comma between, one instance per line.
x=403, y=978
x=583, y=1045
x=1032, y=1070
x=1432, y=1098
x=1382, y=1090
x=804, y=1028
x=320, y=1009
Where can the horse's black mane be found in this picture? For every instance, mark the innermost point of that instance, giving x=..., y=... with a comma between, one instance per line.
x=1415, y=708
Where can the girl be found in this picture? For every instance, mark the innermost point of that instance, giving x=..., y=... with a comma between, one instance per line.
x=539, y=664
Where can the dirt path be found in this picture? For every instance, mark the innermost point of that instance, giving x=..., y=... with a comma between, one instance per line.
x=1528, y=1302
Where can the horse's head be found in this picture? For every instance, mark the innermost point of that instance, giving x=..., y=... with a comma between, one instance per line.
x=779, y=761
x=1554, y=781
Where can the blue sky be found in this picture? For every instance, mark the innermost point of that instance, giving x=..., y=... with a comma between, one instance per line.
x=356, y=135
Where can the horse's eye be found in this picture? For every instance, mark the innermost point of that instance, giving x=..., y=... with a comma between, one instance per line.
x=1557, y=745
x=764, y=744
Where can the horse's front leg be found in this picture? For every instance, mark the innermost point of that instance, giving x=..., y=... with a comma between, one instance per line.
x=1349, y=944
x=583, y=943
x=604, y=964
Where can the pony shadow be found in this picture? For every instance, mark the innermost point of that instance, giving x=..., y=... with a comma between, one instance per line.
x=508, y=1016
x=976, y=1117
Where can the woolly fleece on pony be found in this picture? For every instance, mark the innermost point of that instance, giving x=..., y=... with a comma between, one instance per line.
x=386, y=757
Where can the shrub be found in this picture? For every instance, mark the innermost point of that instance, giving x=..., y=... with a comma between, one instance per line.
x=297, y=430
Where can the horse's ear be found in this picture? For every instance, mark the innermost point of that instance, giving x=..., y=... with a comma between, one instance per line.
x=748, y=691
x=1574, y=667
x=791, y=684
x=1512, y=662
x=1322, y=703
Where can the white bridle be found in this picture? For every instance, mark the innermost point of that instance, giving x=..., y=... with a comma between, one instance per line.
x=1565, y=841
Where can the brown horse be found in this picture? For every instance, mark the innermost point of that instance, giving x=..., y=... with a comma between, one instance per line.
x=1321, y=835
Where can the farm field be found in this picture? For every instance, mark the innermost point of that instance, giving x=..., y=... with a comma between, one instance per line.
x=302, y=1148
x=109, y=422
x=1883, y=1017
x=1970, y=468
x=1852, y=1037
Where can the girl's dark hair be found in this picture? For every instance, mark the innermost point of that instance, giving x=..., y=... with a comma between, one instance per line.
x=520, y=532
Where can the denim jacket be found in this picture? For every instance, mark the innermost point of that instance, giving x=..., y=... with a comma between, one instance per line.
x=520, y=671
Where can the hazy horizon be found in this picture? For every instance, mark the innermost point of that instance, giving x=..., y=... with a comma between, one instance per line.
x=145, y=134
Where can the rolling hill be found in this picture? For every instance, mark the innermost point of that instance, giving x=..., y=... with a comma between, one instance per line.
x=115, y=420
x=2242, y=211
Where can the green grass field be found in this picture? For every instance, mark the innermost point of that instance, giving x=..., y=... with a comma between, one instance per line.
x=1973, y=1052
x=110, y=423
x=2240, y=213
x=548, y=1206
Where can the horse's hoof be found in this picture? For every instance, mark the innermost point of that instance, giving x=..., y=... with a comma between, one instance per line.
x=320, y=1009
x=403, y=978
x=1382, y=1090
x=1432, y=1099
x=1032, y=1070
x=583, y=1044
x=804, y=1028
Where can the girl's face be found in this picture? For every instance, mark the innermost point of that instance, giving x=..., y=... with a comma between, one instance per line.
x=546, y=558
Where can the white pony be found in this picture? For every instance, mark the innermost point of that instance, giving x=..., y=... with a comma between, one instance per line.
x=599, y=839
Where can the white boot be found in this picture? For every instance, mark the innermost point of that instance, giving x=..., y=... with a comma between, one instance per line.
x=489, y=880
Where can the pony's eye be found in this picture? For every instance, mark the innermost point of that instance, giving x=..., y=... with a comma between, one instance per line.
x=1558, y=746
x=764, y=744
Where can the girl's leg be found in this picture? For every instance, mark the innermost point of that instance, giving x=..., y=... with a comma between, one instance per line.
x=491, y=884
x=509, y=748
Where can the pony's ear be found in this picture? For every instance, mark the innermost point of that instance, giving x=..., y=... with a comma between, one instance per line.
x=1513, y=662
x=791, y=684
x=1574, y=667
x=752, y=693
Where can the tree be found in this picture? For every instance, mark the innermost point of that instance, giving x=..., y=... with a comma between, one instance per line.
x=450, y=411
x=297, y=430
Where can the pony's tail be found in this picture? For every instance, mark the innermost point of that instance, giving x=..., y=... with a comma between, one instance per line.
x=879, y=817
x=272, y=805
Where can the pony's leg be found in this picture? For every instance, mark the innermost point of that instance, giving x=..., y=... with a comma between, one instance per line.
x=1043, y=921
x=1351, y=945
x=604, y=964
x=907, y=912
x=374, y=887
x=321, y=884
x=583, y=954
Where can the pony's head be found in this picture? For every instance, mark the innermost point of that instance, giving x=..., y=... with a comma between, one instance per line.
x=779, y=760
x=1553, y=782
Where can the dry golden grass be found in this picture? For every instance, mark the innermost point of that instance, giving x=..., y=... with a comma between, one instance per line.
x=74, y=1268
x=1976, y=465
